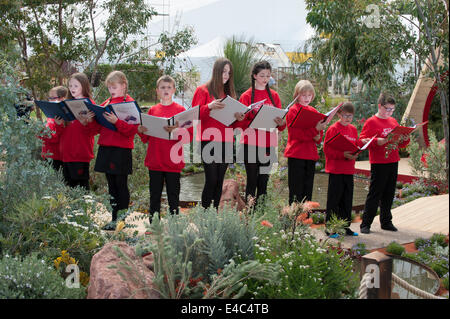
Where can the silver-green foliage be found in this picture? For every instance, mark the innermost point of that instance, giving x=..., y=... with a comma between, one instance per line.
x=198, y=245
x=32, y=278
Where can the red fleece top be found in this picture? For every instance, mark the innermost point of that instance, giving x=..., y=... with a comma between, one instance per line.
x=76, y=141
x=158, y=156
x=50, y=145
x=263, y=138
x=203, y=98
x=335, y=162
x=124, y=136
x=381, y=128
x=301, y=142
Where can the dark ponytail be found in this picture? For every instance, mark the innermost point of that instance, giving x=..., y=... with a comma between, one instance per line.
x=261, y=65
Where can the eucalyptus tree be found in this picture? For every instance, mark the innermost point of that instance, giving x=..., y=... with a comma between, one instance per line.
x=367, y=39
x=56, y=37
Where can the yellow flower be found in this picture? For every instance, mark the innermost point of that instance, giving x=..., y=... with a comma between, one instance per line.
x=84, y=278
x=57, y=261
x=120, y=226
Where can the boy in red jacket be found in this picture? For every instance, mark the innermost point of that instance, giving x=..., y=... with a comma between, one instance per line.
x=162, y=167
x=341, y=166
x=383, y=164
x=301, y=148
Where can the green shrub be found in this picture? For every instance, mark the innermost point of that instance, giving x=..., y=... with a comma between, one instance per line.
x=32, y=278
x=420, y=242
x=197, y=245
x=440, y=239
x=310, y=269
x=395, y=248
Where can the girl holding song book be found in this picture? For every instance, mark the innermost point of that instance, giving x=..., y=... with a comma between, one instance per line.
x=114, y=156
x=77, y=137
x=301, y=149
x=258, y=147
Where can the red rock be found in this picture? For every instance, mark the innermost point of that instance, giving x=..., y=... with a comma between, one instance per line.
x=231, y=196
x=106, y=283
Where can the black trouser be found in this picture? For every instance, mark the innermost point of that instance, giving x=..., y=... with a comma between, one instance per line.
x=118, y=190
x=215, y=166
x=383, y=180
x=56, y=164
x=300, y=179
x=172, y=180
x=76, y=174
x=340, y=197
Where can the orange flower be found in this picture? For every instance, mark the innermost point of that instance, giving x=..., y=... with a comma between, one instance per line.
x=266, y=224
x=307, y=221
x=309, y=206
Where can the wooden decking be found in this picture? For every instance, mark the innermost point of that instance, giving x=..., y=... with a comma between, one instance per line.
x=430, y=214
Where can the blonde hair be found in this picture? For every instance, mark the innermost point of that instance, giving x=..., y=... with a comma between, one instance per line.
x=61, y=91
x=165, y=78
x=303, y=86
x=117, y=77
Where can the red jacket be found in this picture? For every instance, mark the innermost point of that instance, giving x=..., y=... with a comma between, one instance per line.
x=335, y=162
x=263, y=138
x=124, y=136
x=158, y=156
x=76, y=141
x=381, y=128
x=50, y=145
x=203, y=98
x=301, y=143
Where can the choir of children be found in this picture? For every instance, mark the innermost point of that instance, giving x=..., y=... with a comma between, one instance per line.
x=70, y=145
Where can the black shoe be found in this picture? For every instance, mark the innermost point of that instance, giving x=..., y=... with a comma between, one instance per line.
x=110, y=226
x=350, y=232
x=365, y=230
x=390, y=227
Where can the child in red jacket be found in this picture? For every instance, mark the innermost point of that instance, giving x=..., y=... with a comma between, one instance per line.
x=341, y=166
x=383, y=164
x=216, y=138
x=50, y=145
x=163, y=165
x=114, y=156
x=77, y=137
x=258, y=147
x=301, y=148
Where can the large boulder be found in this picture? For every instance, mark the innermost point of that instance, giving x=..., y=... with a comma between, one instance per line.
x=106, y=283
x=230, y=195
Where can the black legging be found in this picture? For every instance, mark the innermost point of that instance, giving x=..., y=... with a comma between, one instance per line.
x=118, y=190
x=215, y=166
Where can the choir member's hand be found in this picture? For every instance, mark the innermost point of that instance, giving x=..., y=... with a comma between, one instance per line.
x=316, y=138
x=170, y=128
x=87, y=118
x=350, y=156
x=58, y=120
x=279, y=121
x=365, y=140
x=320, y=126
x=142, y=129
x=381, y=141
x=216, y=105
x=239, y=116
x=110, y=117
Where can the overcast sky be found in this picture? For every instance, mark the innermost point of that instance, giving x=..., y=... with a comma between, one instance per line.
x=271, y=21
